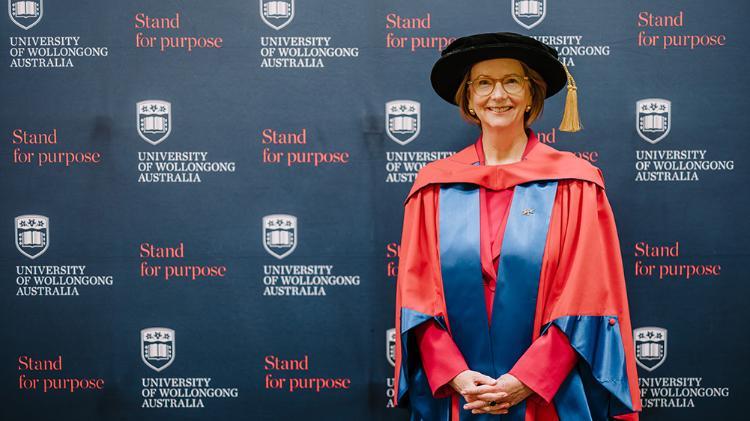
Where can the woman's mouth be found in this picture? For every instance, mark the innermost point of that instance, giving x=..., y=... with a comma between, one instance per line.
x=499, y=110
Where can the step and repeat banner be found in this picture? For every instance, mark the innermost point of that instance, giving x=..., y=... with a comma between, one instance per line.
x=202, y=200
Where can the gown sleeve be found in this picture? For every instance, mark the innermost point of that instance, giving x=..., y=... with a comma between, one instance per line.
x=582, y=293
x=419, y=301
x=545, y=364
x=441, y=358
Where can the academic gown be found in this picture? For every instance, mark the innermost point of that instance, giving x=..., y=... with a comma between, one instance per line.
x=546, y=363
x=579, y=292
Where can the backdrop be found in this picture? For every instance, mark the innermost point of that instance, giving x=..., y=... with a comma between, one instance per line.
x=202, y=201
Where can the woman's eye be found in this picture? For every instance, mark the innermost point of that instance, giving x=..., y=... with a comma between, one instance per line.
x=512, y=81
x=484, y=82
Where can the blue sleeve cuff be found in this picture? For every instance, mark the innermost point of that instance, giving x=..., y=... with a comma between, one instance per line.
x=598, y=386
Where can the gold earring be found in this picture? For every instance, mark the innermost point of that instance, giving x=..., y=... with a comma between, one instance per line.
x=471, y=111
x=528, y=108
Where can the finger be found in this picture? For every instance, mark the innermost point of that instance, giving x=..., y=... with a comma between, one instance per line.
x=491, y=410
x=483, y=379
x=485, y=406
x=475, y=405
x=493, y=396
x=470, y=398
x=484, y=410
x=479, y=390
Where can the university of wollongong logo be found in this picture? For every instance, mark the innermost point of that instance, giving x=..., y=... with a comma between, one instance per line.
x=650, y=346
x=653, y=119
x=528, y=13
x=154, y=119
x=390, y=346
x=277, y=13
x=25, y=13
x=157, y=347
x=402, y=120
x=279, y=234
x=32, y=235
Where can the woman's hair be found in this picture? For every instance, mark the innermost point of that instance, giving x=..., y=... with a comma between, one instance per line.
x=537, y=85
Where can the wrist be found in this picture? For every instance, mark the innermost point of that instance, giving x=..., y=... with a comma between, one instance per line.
x=455, y=382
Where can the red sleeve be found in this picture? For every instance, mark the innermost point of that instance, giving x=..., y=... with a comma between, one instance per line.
x=441, y=359
x=546, y=364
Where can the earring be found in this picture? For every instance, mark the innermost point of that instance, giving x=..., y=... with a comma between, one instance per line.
x=528, y=108
x=471, y=111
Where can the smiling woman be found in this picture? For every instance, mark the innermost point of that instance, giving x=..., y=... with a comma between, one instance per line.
x=510, y=294
x=530, y=83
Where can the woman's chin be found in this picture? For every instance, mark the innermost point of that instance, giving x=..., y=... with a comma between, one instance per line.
x=501, y=122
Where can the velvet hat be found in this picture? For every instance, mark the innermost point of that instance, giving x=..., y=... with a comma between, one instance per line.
x=458, y=57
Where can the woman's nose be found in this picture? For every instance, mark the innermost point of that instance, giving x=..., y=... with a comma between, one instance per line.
x=499, y=91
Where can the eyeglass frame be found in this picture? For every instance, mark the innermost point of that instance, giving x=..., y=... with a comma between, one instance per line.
x=494, y=85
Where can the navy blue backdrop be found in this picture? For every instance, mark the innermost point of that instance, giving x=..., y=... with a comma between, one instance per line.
x=202, y=200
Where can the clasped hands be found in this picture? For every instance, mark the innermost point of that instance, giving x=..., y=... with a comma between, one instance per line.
x=480, y=391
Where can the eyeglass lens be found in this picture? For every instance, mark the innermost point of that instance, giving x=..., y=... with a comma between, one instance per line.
x=511, y=84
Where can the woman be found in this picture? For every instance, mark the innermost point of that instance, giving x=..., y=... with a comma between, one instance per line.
x=511, y=298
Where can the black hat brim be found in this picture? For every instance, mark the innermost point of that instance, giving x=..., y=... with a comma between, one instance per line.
x=449, y=71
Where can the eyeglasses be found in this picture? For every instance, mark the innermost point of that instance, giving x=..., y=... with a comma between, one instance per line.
x=512, y=84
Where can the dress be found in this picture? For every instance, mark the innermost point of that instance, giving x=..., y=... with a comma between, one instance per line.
x=558, y=209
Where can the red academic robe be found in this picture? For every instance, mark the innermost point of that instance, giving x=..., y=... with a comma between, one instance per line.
x=581, y=274
x=546, y=363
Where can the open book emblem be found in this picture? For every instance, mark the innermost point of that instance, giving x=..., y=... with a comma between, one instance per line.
x=528, y=13
x=390, y=346
x=32, y=235
x=25, y=13
x=154, y=120
x=402, y=120
x=650, y=347
x=277, y=13
x=653, y=118
x=280, y=235
x=157, y=347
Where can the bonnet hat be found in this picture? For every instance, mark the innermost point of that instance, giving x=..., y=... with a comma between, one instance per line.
x=458, y=58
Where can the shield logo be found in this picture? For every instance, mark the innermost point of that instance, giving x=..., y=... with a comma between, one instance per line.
x=390, y=346
x=32, y=235
x=280, y=235
x=154, y=120
x=528, y=13
x=25, y=13
x=650, y=347
x=277, y=13
x=157, y=347
x=653, y=119
x=402, y=120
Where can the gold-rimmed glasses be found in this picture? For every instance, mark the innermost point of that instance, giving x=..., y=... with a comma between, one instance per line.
x=485, y=85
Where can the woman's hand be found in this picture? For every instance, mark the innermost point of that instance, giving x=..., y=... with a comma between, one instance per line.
x=506, y=392
x=469, y=379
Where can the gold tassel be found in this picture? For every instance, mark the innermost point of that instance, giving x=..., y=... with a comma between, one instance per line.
x=571, y=121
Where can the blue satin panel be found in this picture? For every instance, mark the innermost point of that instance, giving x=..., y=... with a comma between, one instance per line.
x=518, y=277
x=462, y=280
x=462, y=274
x=518, y=272
x=494, y=349
x=598, y=387
x=412, y=377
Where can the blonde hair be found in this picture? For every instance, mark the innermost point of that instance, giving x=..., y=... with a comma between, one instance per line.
x=537, y=88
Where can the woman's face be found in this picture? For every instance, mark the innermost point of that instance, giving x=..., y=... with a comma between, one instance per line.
x=499, y=109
